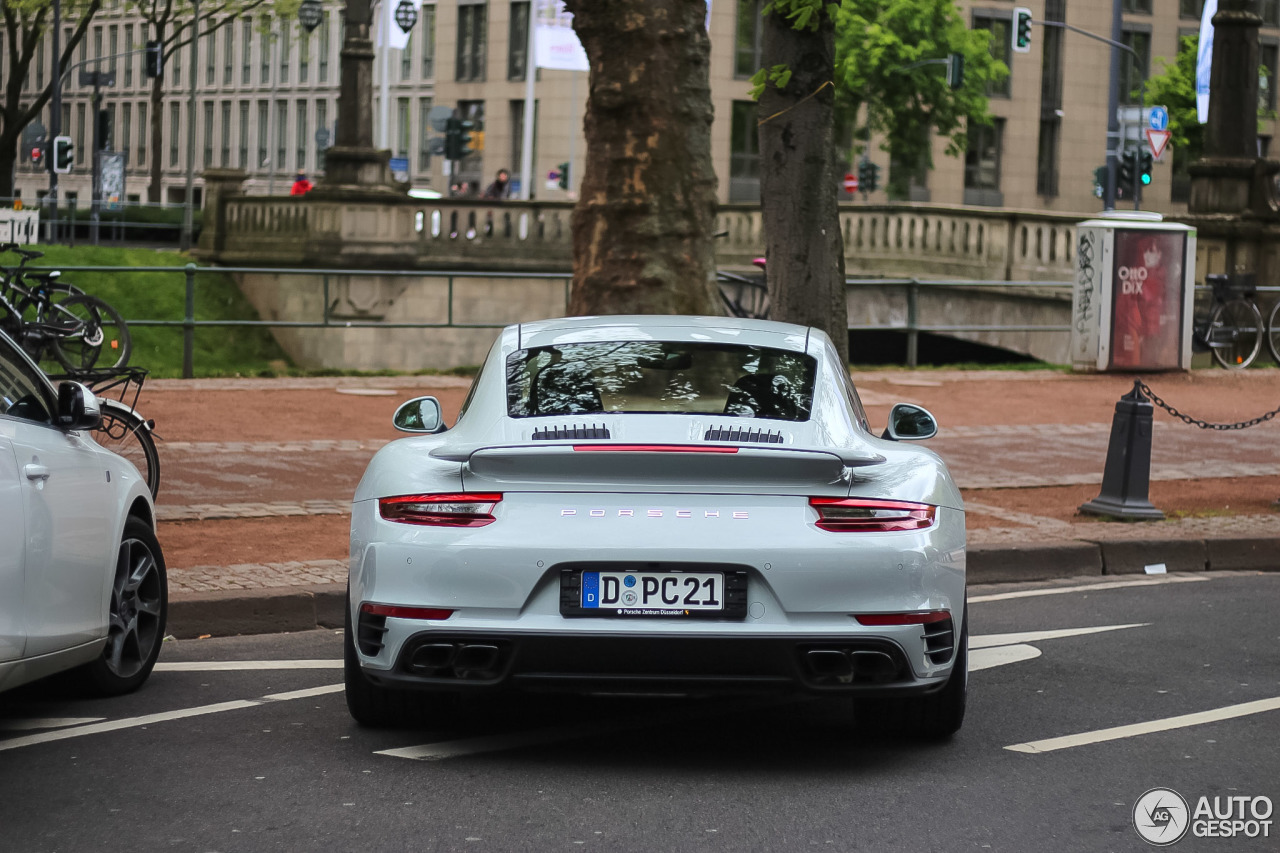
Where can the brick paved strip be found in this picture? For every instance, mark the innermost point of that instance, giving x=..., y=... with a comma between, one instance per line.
x=206, y=512
x=246, y=576
x=317, y=446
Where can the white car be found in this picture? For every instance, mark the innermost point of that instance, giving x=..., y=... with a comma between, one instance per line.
x=659, y=504
x=82, y=577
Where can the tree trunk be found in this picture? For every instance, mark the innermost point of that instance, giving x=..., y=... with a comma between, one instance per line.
x=643, y=226
x=798, y=181
x=8, y=160
x=156, y=166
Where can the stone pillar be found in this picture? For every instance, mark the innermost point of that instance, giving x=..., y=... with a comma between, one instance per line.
x=353, y=164
x=219, y=184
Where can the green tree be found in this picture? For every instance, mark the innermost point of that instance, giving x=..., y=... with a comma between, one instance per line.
x=26, y=22
x=889, y=74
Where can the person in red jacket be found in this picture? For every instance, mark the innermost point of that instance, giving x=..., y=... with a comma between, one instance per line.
x=301, y=186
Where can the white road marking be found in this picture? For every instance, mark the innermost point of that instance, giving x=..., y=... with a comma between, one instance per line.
x=988, y=658
x=1032, y=593
x=986, y=641
x=37, y=724
x=244, y=665
x=1168, y=723
x=501, y=743
x=163, y=717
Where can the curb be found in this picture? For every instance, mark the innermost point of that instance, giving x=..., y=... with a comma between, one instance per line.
x=275, y=610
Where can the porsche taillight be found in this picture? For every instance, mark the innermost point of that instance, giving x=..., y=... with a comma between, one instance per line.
x=864, y=515
x=449, y=510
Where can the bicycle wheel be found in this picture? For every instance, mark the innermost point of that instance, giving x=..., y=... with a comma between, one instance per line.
x=1235, y=333
x=1273, y=333
x=122, y=431
x=91, y=333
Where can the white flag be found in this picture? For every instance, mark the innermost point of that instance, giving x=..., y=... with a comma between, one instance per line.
x=388, y=31
x=1204, y=60
x=555, y=44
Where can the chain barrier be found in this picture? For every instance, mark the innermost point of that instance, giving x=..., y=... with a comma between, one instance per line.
x=1196, y=422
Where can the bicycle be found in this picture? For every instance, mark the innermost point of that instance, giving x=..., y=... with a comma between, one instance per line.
x=745, y=296
x=1273, y=333
x=58, y=318
x=122, y=430
x=1232, y=332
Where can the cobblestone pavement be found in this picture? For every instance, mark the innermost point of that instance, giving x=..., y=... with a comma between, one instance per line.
x=247, y=576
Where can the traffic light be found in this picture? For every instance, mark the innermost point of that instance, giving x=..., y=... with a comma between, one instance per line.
x=457, y=138
x=1022, y=30
x=563, y=169
x=868, y=176
x=464, y=137
x=1145, y=162
x=153, y=59
x=955, y=70
x=1124, y=174
x=62, y=154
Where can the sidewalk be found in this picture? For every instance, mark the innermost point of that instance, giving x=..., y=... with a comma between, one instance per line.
x=1026, y=448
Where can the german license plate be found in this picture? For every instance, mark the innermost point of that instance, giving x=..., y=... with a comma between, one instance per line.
x=652, y=593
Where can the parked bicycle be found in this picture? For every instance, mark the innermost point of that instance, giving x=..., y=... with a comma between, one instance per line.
x=52, y=318
x=1233, y=329
x=122, y=429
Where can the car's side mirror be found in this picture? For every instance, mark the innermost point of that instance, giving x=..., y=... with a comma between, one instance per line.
x=77, y=407
x=421, y=414
x=909, y=422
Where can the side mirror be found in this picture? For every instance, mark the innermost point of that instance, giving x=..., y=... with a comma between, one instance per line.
x=77, y=407
x=908, y=422
x=421, y=414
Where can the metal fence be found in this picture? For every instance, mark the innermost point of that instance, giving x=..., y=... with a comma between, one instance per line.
x=131, y=222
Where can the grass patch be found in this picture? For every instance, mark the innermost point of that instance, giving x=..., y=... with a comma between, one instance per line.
x=139, y=295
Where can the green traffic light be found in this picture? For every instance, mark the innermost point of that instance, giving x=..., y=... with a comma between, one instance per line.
x=1146, y=179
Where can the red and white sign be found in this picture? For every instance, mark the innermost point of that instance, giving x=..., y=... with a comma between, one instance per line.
x=1158, y=139
x=850, y=183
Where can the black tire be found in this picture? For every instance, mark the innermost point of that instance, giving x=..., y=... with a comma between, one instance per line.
x=934, y=716
x=375, y=706
x=1273, y=333
x=136, y=616
x=122, y=431
x=95, y=334
x=1235, y=333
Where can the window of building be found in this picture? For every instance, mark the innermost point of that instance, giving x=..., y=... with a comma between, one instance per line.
x=113, y=44
x=207, y=161
x=1270, y=13
x=175, y=129
x=265, y=45
x=210, y=48
x=66, y=119
x=406, y=59
x=746, y=46
x=1268, y=65
x=472, y=23
x=246, y=51
x=264, y=127
x=982, y=164
x=425, y=134
x=516, y=110
x=999, y=27
x=1133, y=72
x=1191, y=8
x=129, y=58
x=108, y=129
x=518, y=40
x=97, y=44
x=143, y=130
x=39, y=64
x=228, y=54
x=224, y=160
x=1137, y=7
x=243, y=162
x=744, y=153
x=300, y=146
x=402, y=127
x=283, y=48
x=80, y=125
x=304, y=55
x=322, y=123
x=280, y=163
x=427, y=26
x=323, y=70
x=126, y=124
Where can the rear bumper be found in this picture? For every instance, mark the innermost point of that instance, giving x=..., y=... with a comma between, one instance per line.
x=652, y=663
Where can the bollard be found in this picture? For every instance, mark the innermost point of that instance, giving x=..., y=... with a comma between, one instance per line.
x=1127, y=475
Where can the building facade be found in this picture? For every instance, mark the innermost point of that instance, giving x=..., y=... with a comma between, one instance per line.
x=266, y=93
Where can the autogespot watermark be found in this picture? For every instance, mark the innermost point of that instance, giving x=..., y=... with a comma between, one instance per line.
x=1162, y=817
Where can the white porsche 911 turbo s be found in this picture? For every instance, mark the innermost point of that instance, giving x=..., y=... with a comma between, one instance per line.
x=82, y=577
x=659, y=504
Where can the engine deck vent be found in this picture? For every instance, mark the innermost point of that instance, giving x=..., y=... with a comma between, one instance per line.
x=574, y=431
x=756, y=436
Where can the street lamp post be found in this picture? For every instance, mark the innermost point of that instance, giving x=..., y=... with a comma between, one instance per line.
x=187, y=212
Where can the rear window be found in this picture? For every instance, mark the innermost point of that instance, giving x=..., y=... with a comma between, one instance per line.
x=660, y=377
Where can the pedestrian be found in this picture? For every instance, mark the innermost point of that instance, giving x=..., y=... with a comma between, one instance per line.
x=501, y=187
x=301, y=186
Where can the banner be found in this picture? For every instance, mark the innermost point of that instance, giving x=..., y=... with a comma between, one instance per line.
x=1204, y=60
x=388, y=32
x=1147, y=295
x=555, y=43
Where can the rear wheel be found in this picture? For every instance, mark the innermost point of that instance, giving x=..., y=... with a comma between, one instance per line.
x=122, y=431
x=1273, y=333
x=1235, y=333
x=376, y=706
x=92, y=334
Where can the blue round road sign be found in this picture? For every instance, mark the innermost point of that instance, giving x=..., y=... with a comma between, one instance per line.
x=1158, y=118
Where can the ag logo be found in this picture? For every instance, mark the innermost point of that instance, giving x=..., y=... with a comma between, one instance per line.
x=1161, y=816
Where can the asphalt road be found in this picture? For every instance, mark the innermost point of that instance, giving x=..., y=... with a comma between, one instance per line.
x=259, y=754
